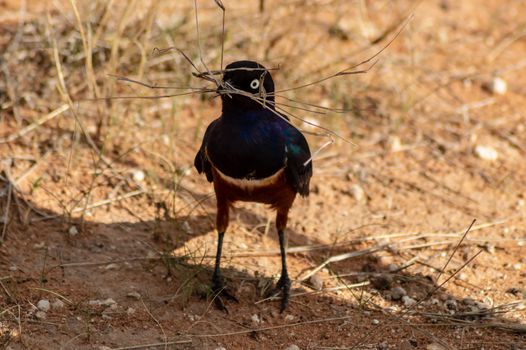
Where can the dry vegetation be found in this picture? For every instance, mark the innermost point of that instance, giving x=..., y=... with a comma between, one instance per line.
x=102, y=214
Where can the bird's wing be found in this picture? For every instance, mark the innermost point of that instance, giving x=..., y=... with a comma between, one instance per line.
x=201, y=162
x=298, y=153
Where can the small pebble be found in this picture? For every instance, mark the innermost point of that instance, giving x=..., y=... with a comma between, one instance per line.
x=58, y=304
x=497, y=86
x=392, y=267
x=255, y=318
x=134, y=295
x=108, y=302
x=73, y=231
x=220, y=348
x=375, y=321
x=138, y=175
x=490, y=248
x=486, y=152
x=394, y=143
x=391, y=309
x=408, y=301
x=316, y=281
x=435, y=346
x=289, y=318
x=293, y=347
x=41, y=315
x=43, y=305
x=397, y=293
x=357, y=192
x=130, y=311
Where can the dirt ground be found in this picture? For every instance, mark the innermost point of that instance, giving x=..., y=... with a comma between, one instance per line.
x=107, y=231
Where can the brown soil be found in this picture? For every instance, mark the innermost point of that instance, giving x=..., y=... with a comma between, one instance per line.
x=81, y=228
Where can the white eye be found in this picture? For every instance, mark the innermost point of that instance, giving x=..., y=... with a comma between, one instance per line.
x=254, y=84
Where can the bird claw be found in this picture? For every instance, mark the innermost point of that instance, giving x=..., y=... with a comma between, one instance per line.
x=220, y=292
x=283, y=287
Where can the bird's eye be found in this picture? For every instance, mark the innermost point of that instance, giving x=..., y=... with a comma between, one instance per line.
x=254, y=84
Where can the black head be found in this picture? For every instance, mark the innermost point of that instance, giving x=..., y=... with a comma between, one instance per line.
x=249, y=77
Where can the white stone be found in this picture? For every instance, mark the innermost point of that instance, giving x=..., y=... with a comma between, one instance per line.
x=394, y=143
x=435, y=346
x=130, y=311
x=73, y=231
x=392, y=267
x=108, y=302
x=316, y=281
x=292, y=347
x=486, y=152
x=408, y=301
x=43, y=305
x=398, y=293
x=375, y=321
x=357, y=192
x=58, y=304
x=138, y=175
x=498, y=86
x=255, y=318
x=41, y=315
x=134, y=295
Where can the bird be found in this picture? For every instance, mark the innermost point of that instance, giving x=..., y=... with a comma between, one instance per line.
x=252, y=153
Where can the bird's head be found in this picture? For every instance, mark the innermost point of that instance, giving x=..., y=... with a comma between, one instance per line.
x=246, y=85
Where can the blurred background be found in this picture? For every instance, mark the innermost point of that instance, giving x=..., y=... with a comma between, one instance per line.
x=99, y=199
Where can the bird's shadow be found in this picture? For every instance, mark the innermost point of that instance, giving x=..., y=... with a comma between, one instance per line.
x=134, y=262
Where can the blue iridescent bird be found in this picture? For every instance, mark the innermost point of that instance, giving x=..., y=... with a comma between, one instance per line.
x=252, y=153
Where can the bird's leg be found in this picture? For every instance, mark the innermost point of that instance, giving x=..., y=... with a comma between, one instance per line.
x=284, y=281
x=218, y=287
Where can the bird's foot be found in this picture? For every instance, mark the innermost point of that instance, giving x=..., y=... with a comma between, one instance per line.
x=282, y=286
x=221, y=294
